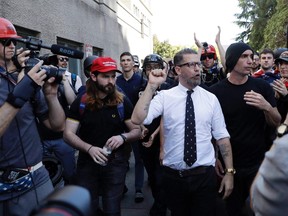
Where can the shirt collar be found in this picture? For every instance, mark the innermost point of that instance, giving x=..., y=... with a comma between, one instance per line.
x=184, y=89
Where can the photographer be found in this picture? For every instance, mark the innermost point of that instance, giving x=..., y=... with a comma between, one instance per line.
x=24, y=181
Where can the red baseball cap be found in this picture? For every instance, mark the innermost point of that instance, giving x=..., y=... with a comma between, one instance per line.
x=103, y=65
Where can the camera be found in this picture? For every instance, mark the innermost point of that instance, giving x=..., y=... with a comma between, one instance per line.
x=51, y=71
x=35, y=44
x=70, y=200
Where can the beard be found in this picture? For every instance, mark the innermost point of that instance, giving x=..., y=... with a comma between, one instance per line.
x=108, y=89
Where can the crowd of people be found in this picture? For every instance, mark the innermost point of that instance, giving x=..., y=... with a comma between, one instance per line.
x=204, y=127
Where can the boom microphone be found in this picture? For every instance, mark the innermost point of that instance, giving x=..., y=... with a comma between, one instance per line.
x=62, y=50
x=33, y=43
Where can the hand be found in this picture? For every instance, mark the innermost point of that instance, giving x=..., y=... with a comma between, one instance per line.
x=227, y=183
x=50, y=88
x=22, y=56
x=150, y=142
x=144, y=132
x=279, y=86
x=37, y=76
x=219, y=168
x=197, y=42
x=114, y=142
x=257, y=100
x=98, y=155
x=157, y=77
x=217, y=39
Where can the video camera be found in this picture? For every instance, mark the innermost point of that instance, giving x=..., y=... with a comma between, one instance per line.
x=70, y=200
x=35, y=44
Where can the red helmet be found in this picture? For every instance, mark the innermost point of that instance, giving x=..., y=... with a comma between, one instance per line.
x=7, y=29
x=208, y=49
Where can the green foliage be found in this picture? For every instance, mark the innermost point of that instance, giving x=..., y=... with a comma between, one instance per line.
x=164, y=49
x=275, y=32
x=265, y=23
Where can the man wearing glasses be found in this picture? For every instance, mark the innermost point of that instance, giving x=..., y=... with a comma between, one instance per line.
x=189, y=177
x=24, y=181
x=53, y=142
x=74, y=80
x=212, y=70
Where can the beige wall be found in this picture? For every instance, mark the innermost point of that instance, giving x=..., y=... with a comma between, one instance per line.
x=111, y=25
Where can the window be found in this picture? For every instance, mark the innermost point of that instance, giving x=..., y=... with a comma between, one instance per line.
x=74, y=64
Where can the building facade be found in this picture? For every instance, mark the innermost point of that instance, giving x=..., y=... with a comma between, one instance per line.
x=96, y=27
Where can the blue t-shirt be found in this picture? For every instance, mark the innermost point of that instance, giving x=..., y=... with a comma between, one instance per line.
x=131, y=87
x=20, y=145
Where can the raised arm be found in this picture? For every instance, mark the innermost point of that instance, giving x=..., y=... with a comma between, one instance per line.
x=156, y=78
x=199, y=45
x=220, y=48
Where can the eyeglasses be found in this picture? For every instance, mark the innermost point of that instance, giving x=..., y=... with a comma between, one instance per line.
x=205, y=56
x=191, y=64
x=7, y=42
x=61, y=59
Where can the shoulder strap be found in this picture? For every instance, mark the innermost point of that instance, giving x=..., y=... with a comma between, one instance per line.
x=120, y=108
x=82, y=104
x=73, y=79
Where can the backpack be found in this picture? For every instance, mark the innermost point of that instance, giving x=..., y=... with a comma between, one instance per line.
x=82, y=105
x=73, y=79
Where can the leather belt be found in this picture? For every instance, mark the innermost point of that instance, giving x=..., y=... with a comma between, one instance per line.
x=187, y=172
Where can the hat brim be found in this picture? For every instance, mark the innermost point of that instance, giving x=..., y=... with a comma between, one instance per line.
x=281, y=59
x=106, y=71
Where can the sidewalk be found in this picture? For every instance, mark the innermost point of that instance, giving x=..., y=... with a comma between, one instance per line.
x=128, y=206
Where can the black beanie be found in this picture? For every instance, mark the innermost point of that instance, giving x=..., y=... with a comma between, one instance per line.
x=233, y=53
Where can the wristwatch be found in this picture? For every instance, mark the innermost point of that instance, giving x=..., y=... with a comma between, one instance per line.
x=282, y=130
x=230, y=170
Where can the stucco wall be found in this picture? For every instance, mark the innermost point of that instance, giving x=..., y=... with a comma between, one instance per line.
x=84, y=21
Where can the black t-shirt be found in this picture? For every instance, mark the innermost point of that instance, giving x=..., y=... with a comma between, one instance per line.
x=97, y=126
x=246, y=124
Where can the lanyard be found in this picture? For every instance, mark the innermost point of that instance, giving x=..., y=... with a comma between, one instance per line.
x=6, y=76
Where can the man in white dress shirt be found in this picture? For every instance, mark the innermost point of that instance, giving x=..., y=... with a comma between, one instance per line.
x=188, y=190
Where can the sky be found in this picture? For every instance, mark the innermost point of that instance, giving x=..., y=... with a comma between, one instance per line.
x=177, y=20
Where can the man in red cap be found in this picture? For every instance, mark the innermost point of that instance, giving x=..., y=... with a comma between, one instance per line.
x=102, y=127
x=24, y=181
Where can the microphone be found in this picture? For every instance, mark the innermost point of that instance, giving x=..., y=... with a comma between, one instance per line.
x=66, y=51
x=36, y=44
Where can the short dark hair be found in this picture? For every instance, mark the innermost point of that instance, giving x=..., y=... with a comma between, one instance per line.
x=267, y=51
x=178, y=58
x=127, y=54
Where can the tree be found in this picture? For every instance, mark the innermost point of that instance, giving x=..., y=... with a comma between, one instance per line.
x=275, y=34
x=164, y=49
x=254, y=18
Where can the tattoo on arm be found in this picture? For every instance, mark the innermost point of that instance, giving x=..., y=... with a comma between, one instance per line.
x=225, y=150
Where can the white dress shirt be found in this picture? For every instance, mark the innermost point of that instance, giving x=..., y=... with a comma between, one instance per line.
x=209, y=122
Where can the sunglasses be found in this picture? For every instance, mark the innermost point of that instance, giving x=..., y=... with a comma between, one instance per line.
x=209, y=56
x=61, y=59
x=7, y=42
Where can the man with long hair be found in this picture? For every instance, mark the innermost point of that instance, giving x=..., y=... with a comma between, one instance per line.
x=97, y=120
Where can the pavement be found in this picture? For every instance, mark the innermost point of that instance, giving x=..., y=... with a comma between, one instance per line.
x=128, y=205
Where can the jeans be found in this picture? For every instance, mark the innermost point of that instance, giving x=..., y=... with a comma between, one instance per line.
x=64, y=152
x=107, y=181
x=139, y=166
x=25, y=203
